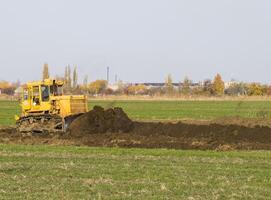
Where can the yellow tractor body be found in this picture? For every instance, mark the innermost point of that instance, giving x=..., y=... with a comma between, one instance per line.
x=45, y=107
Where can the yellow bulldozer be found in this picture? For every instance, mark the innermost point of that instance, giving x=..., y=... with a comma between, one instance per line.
x=45, y=109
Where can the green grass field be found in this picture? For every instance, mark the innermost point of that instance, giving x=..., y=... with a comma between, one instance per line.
x=57, y=172
x=167, y=110
x=47, y=172
x=8, y=109
x=174, y=110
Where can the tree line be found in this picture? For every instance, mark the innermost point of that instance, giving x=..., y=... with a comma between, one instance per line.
x=208, y=87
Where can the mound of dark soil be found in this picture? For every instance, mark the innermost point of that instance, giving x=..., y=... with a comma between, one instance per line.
x=118, y=130
x=101, y=121
x=211, y=136
x=113, y=128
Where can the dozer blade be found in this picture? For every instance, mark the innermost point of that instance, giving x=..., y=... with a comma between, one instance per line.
x=69, y=119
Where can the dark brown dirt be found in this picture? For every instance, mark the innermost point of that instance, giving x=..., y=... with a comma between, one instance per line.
x=113, y=128
x=101, y=121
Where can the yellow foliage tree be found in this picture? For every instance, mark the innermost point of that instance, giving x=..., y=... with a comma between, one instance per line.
x=218, y=85
x=97, y=86
x=4, y=85
x=137, y=89
x=255, y=89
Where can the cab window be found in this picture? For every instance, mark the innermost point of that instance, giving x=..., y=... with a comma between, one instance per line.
x=56, y=90
x=60, y=90
x=25, y=94
x=36, y=95
x=45, y=93
x=36, y=91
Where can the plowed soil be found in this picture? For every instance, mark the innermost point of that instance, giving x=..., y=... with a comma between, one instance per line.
x=113, y=128
x=101, y=121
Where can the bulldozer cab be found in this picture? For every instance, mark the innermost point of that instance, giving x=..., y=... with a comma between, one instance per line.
x=56, y=89
x=36, y=95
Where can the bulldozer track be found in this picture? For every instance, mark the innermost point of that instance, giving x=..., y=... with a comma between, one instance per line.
x=39, y=124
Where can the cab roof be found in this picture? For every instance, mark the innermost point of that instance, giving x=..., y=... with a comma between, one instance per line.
x=48, y=82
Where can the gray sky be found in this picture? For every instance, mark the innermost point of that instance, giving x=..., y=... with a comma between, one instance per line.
x=141, y=40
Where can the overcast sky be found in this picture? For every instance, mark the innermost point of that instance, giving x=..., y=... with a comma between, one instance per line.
x=141, y=40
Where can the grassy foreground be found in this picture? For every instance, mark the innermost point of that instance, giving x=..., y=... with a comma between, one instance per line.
x=166, y=110
x=46, y=172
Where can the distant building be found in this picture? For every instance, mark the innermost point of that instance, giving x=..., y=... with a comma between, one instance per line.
x=162, y=85
x=113, y=87
x=230, y=83
x=156, y=85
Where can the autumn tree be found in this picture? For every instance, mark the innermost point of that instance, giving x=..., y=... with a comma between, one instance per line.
x=268, y=92
x=4, y=85
x=97, y=87
x=255, y=89
x=265, y=89
x=218, y=85
x=137, y=89
x=45, y=72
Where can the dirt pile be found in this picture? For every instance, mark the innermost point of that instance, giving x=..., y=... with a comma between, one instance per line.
x=113, y=128
x=101, y=121
x=211, y=136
